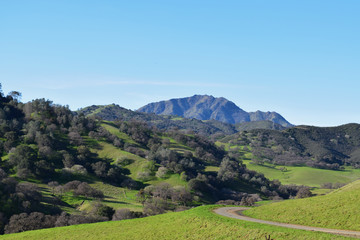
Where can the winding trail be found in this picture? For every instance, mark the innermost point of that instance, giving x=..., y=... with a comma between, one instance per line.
x=236, y=212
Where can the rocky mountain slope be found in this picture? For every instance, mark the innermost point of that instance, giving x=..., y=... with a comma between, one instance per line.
x=204, y=107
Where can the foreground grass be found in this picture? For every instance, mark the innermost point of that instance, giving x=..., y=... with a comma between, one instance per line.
x=338, y=209
x=197, y=223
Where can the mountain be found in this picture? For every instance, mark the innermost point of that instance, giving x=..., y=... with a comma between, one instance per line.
x=201, y=107
x=204, y=107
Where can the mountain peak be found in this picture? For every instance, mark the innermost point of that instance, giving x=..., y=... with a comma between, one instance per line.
x=207, y=107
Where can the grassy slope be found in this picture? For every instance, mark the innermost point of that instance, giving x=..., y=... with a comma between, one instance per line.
x=113, y=130
x=139, y=164
x=339, y=209
x=313, y=177
x=173, y=180
x=197, y=223
x=113, y=153
x=118, y=197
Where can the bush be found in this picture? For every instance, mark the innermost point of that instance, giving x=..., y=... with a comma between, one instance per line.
x=162, y=172
x=181, y=195
x=66, y=219
x=155, y=206
x=102, y=210
x=71, y=185
x=144, y=176
x=123, y=213
x=303, y=192
x=78, y=169
x=84, y=189
x=24, y=222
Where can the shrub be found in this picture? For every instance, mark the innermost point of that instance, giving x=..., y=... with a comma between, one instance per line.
x=144, y=176
x=102, y=210
x=162, y=172
x=24, y=222
x=122, y=213
x=84, y=189
x=303, y=192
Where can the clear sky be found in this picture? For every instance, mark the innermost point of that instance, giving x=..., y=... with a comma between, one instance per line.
x=298, y=58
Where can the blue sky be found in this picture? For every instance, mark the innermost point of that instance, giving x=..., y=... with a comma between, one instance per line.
x=298, y=58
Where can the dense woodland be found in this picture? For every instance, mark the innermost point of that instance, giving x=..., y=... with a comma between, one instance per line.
x=45, y=144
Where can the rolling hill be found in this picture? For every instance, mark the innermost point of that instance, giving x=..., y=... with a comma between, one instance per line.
x=338, y=209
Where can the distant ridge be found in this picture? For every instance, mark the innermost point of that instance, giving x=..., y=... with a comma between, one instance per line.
x=114, y=112
x=269, y=116
x=205, y=107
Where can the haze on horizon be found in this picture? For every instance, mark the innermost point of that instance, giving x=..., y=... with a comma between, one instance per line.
x=300, y=59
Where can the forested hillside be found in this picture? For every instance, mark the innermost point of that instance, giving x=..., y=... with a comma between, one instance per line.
x=61, y=168
x=319, y=147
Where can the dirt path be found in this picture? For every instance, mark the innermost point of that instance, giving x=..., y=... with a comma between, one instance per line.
x=236, y=212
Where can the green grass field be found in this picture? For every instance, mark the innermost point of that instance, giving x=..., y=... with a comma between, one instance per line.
x=338, y=209
x=198, y=223
x=312, y=177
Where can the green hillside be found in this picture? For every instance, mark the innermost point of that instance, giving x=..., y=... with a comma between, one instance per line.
x=338, y=209
x=198, y=223
x=303, y=175
x=318, y=147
